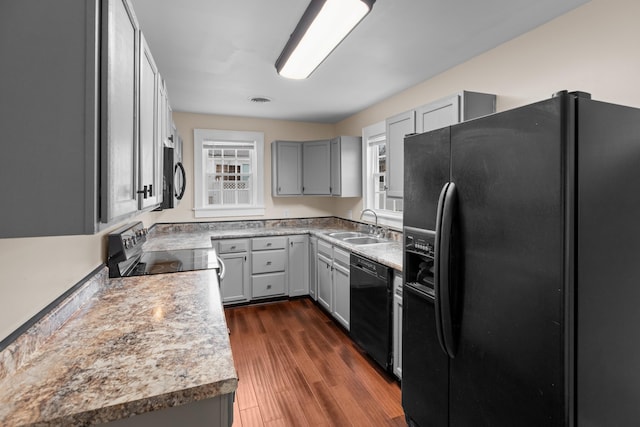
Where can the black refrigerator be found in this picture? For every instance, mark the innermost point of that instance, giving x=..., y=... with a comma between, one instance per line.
x=525, y=310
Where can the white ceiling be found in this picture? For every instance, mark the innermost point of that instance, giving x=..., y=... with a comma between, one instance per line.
x=216, y=54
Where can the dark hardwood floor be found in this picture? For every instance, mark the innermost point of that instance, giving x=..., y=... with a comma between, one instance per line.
x=296, y=367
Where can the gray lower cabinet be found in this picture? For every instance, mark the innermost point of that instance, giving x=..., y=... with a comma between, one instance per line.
x=341, y=286
x=397, y=324
x=313, y=267
x=298, y=265
x=325, y=288
x=74, y=94
x=334, y=281
x=235, y=286
x=215, y=411
x=268, y=266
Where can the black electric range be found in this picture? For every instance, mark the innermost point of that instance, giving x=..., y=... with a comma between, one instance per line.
x=126, y=257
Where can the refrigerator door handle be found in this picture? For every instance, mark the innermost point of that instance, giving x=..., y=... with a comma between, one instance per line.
x=437, y=269
x=442, y=279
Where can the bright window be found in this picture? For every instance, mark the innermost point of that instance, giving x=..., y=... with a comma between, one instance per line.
x=228, y=169
x=389, y=209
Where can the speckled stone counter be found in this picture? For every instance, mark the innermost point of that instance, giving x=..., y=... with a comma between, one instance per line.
x=200, y=235
x=139, y=344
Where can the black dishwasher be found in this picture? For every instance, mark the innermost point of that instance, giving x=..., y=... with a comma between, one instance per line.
x=371, y=300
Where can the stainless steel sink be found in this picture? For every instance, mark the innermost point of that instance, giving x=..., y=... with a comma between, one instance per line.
x=341, y=235
x=365, y=240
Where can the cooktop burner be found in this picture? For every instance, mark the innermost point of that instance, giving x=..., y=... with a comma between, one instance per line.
x=159, y=262
x=126, y=257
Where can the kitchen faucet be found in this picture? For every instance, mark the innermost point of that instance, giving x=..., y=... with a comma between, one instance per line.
x=376, y=217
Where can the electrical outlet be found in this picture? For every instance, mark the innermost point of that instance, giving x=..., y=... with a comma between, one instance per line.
x=286, y=213
x=349, y=214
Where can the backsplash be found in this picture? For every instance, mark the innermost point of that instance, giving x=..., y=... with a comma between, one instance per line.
x=20, y=351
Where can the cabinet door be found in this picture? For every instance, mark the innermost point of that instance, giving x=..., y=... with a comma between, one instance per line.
x=324, y=282
x=298, y=265
x=119, y=157
x=316, y=168
x=341, y=283
x=336, y=167
x=235, y=284
x=397, y=127
x=397, y=325
x=313, y=267
x=287, y=168
x=438, y=114
x=149, y=187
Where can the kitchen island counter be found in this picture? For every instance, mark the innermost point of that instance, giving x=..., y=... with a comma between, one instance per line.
x=140, y=344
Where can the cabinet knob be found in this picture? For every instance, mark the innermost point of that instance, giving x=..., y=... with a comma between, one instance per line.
x=233, y=247
x=268, y=262
x=269, y=244
x=268, y=286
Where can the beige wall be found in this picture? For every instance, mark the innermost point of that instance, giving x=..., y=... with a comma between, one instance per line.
x=593, y=48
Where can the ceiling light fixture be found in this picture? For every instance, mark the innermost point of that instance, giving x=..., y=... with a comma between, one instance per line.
x=322, y=27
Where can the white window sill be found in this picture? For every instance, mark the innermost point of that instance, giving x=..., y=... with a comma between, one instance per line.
x=231, y=211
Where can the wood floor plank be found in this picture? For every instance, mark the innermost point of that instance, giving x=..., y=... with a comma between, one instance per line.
x=298, y=367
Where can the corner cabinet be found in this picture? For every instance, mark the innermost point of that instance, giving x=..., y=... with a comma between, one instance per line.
x=317, y=168
x=346, y=166
x=443, y=112
x=74, y=152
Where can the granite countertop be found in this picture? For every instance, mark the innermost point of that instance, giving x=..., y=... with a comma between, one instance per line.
x=140, y=344
x=388, y=253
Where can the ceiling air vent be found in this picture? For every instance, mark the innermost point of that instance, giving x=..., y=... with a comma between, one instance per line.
x=260, y=99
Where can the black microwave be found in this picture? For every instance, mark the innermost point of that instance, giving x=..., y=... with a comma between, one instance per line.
x=174, y=179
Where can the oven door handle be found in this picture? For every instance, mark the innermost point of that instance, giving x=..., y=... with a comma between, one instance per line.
x=223, y=269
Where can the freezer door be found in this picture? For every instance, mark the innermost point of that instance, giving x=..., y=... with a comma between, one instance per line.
x=426, y=169
x=508, y=269
x=608, y=347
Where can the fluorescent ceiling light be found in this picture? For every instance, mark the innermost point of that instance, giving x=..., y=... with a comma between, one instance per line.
x=323, y=26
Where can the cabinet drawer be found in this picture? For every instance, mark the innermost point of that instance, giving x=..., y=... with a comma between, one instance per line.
x=341, y=256
x=265, y=243
x=231, y=246
x=266, y=285
x=268, y=261
x=324, y=248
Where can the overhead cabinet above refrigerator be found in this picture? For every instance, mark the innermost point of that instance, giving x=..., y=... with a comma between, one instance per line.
x=528, y=288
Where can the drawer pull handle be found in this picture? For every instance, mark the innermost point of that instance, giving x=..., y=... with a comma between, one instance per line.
x=269, y=244
x=268, y=262
x=233, y=247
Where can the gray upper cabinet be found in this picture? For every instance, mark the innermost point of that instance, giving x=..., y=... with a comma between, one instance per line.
x=346, y=166
x=443, y=112
x=49, y=94
x=119, y=157
x=453, y=109
x=73, y=155
x=286, y=168
x=149, y=183
x=397, y=127
x=316, y=168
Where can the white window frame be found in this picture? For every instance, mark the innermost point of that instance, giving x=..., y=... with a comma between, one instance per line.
x=202, y=209
x=371, y=135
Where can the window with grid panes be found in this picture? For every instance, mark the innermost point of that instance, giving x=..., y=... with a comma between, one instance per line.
x=228, y=169
x=375, y=176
